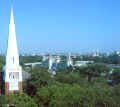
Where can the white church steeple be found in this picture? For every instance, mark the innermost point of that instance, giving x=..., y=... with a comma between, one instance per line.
x=12, y=58
x=12, y=71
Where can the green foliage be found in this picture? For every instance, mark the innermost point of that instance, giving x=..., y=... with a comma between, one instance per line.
x=17, y=100
x=75, y=96
x=3, y=101
x=97, y=59
x=68, y=77
x=30, y=59
x=115, y=76
x=92, y=70
x=2, y=62
x=39, y=77
x=113, y=58
x=83, y=87
x=69, y=89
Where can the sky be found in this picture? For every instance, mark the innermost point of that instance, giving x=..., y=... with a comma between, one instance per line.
x=62, y=25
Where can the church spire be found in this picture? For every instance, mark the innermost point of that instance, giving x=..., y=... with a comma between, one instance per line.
x=12, y=71
x=12, y=58
x=11, y=16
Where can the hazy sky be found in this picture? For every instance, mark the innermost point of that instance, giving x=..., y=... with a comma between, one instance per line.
x=62, y=25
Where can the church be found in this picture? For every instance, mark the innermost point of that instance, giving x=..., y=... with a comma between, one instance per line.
x=11, y=76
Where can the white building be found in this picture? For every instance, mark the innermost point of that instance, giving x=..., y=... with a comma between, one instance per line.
x=69, y=61
x=82, y=63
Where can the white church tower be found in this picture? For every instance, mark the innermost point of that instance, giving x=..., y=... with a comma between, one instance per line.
x=12, y=70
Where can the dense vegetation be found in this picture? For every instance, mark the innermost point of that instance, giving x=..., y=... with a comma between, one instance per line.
x=30, y=59
x=113, y=58
x=79, y=87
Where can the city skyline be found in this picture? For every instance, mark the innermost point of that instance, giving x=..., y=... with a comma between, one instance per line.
x=62, y=26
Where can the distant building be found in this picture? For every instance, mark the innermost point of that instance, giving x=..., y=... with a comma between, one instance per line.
x=33, y=64
x=51, y=67
x=82, y=63
x=96, y=53
x=50, y=63
x=69, y=61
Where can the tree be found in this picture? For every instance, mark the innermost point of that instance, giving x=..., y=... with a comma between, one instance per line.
x=3, y=101
x=39, y=77
x=115, y=76
x=114, y=58
x=66, y=95
x=58, y=95
x=93, y=70
x=20, y=100
x=17, y=100
x=68, y=77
